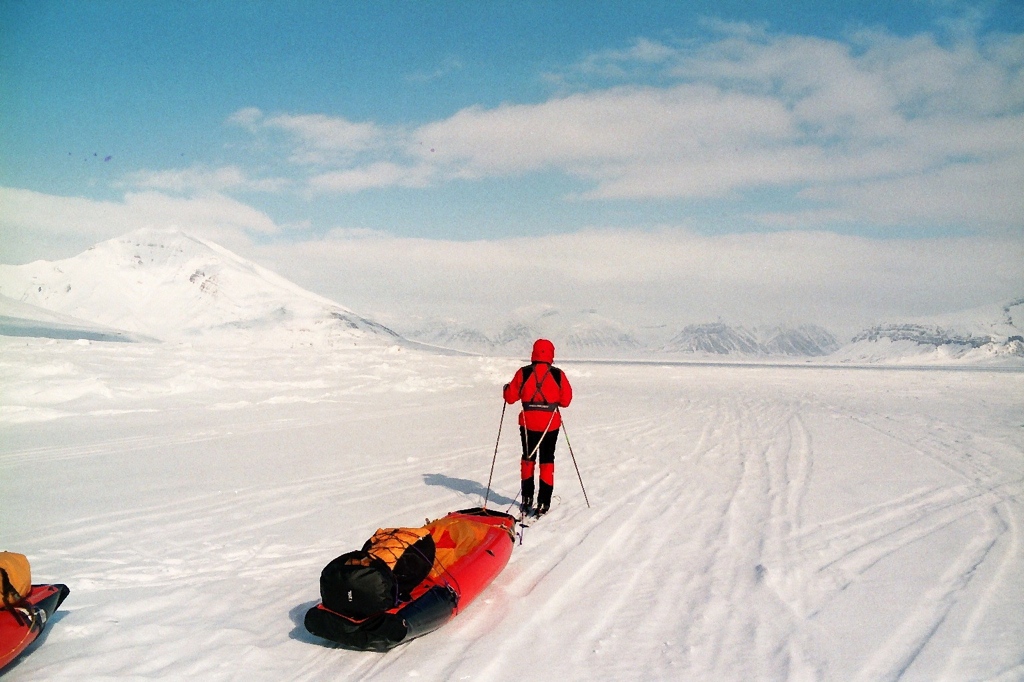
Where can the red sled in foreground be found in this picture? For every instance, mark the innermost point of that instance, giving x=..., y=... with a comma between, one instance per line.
x=22, y=623
x=406, y=582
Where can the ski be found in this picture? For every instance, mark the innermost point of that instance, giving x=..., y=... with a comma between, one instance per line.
x=524, y=523
x=529, y=516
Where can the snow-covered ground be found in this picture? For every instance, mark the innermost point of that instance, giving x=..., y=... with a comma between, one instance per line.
x=747, y=522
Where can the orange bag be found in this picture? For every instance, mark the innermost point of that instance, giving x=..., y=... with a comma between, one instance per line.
x=15, y=577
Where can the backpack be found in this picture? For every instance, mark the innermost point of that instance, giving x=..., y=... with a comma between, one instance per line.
x=379, y=576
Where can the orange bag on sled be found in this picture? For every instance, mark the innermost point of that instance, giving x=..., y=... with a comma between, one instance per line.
x=406, y=582
x=25, y=607
x=15, y=577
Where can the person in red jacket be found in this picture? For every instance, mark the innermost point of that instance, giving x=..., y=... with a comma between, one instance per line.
x=542, y=389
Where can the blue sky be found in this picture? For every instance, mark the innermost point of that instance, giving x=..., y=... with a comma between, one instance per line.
x=271, y=126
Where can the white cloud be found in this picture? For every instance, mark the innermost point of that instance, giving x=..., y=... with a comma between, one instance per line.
x=376, y=175
x=605, y=135
x=801, y=220
x=37, y=225
x=966, y=193
x=318, y=139
x=204, y=179
x=327, y=132
x=875, y=128
x=668, y=276
x=621, y=64
x=248, y=118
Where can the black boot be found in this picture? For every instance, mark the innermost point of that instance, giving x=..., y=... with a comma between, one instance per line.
x=527, y=488
x=544, y=498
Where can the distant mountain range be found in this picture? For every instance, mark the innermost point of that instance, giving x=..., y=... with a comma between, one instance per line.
x=580, y=334
x=167, y=285
x=721, y=339
x=982, y=334
x=588, y=334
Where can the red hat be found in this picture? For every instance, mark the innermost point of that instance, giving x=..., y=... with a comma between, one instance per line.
x=543, y=351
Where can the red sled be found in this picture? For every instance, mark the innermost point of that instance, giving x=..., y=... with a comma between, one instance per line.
x=21, y=624
x=406, y=582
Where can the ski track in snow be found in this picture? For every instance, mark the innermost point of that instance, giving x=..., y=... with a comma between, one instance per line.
x=746, y=524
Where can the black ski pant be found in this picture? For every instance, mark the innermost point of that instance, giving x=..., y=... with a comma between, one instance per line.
x=546, y=454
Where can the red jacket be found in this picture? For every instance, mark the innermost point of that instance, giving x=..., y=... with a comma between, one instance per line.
x=542, y=388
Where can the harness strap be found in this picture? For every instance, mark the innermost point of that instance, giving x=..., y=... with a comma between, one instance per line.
x=542, y=405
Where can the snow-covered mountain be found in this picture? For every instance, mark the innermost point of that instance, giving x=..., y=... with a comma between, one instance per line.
x=924, y=335
x=979, y=335
x=718, y=338
x=170, y=285
x=986, y=333
x=803, y=340
x=715, y=338
x=581, y=333
x=577, y=334
x=448, y=333
x=999, y=322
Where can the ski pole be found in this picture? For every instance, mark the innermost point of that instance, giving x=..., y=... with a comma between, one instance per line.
x=566, y=434
x=495, y=458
